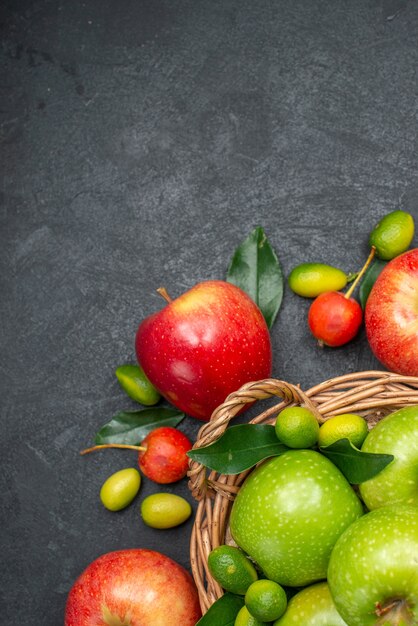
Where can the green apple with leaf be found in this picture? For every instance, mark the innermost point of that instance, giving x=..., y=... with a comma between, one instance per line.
x=289, y=513
x=395, y=434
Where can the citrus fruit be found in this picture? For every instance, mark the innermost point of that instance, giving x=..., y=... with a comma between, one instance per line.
x=120, y=489
x=297, y=427
x=266, y=600
x=244, y=618
x=165, y=510
x=134, y=382
x=346, y=426
x=310, y=279
x=232, y=569
x=393, y=234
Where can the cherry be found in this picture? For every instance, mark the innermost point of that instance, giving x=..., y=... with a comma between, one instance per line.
x=334, y=317
x=164, y=459
x=162, y=455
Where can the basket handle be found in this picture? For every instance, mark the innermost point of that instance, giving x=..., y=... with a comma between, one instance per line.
x=234, y=403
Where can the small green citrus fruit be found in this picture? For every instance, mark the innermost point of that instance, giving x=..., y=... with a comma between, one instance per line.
x=311, y=279
x=232, y=569
x=120, y=489
x=266, y=600
x=393, y=234
x=165, y=510
x=244, y=618
x=297, y=427
x=346, y=426
x=135, y=383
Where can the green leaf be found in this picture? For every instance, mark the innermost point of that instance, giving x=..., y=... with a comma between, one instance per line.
x=369, y=280
x=131, y=427
x=256, y=269
x=222, y=612
x=239, y=448
x=357, y=466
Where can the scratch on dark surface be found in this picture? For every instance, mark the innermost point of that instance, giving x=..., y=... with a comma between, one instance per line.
x=392, y=8
x=39, y=453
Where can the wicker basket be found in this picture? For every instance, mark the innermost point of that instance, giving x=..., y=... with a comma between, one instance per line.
x=372, y=394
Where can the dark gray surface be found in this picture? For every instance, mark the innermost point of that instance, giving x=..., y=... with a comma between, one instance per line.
x=140, y=143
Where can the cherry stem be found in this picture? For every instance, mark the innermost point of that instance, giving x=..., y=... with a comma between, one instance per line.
x=361, y=272
x=112, y=445
x=163, y=292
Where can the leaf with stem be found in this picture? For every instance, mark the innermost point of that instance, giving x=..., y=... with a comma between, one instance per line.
x=131, y=427
x=239, y=448
x=256, y=269
x=357, y=466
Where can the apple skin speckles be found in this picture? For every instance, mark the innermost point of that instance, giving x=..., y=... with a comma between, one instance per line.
x=289, y=513
x=391, y=315
x=204, y=345
x=373, y=568
x=395, y=434
x=314, y=606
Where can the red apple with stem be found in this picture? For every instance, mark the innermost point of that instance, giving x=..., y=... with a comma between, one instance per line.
x=204, y=345
x=134, y=587
x=334, y=317
x=391, y=315
x=162, y=454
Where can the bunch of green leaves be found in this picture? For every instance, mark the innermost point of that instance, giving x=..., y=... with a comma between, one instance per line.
x=244, y=445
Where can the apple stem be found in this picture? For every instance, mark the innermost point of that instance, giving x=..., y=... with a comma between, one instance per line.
x=163, y=292
x=361, y=273
x=394, y=613
x=112, y=445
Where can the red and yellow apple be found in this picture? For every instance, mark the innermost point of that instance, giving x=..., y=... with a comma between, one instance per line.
x=133, y=587
x=391, y=315
x=204, y=345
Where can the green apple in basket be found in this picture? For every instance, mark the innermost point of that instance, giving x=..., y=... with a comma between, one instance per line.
x=290, y=512
x=395, y=434
x=373, y=570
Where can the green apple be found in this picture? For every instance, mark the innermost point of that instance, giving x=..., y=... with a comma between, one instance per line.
x=395, y=434
x=373, y=570
x=289, y=513
x=312, y=606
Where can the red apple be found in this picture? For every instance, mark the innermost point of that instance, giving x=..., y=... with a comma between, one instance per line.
x=391, y=315
x=164, y=459
x=133, y=588
x=204, y=345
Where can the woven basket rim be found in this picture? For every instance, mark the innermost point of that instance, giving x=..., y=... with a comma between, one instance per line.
x=371, y=393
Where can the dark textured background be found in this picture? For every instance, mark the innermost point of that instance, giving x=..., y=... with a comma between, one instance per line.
x=141, y=141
